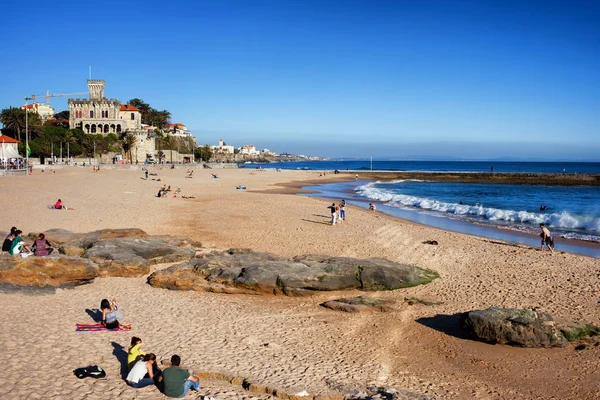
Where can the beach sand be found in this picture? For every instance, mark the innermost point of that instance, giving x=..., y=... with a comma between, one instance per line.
x=288, y=343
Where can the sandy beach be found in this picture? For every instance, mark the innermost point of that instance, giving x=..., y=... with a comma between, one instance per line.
x=286, y=342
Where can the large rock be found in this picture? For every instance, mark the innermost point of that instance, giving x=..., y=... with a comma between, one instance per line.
x=50, y=271
x=514, y=326
x=80, y=242
x=56, y=237
x=245, y=271
x=132, y=256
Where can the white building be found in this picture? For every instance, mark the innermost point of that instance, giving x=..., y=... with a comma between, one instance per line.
x=248, y=149
x=43, y=110
x=178, y=130
x=223, y=148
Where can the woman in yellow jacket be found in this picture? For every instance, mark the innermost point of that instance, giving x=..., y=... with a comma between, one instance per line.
x=135, y=352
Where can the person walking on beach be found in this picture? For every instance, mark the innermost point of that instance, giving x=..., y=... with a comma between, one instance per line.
x=177, y=380
x=333, y=213
x=547, y=239
x=343, y=211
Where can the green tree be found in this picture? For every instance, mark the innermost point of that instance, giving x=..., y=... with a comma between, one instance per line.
x=204, y=153
x=13, y=120
x=169, y=142
x=62, y=115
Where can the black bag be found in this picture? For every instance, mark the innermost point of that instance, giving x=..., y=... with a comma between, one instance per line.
x=92, y=371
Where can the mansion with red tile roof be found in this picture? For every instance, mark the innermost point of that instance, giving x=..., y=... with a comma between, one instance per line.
x=99, y=115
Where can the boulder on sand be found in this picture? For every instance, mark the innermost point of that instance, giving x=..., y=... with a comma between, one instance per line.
x=245, y=271
x=55, y=236
x=132, y=256
x=51, y=271
x=80, y=242
x=514, y=326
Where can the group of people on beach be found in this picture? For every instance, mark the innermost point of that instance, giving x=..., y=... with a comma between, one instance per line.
x=143, y=371
x=341, y=209
x=15, y=245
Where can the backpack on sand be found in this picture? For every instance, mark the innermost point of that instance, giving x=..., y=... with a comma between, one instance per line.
x=92, y=371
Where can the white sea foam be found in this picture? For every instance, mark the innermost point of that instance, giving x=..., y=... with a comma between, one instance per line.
x=562, y=220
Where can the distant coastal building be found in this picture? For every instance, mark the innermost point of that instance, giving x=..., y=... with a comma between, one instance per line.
x=43, y=110
x=223, y=148
x=248, y=149
x=178, y=129
x=99, y=115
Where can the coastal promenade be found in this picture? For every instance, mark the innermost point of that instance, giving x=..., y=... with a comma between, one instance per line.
x=289, y=343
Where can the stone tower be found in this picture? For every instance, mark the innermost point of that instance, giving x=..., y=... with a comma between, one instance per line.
x=96, y=87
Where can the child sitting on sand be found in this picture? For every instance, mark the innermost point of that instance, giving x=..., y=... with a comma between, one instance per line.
x=134, y=353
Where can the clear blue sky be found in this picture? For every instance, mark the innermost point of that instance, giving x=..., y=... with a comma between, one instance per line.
x=470, y=79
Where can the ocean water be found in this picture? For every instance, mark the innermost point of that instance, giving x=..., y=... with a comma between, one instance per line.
x=436, y=166
x=498, y=211
x=571, y=212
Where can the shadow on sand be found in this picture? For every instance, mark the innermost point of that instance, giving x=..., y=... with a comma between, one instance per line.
x=95, y=314
x=121, y=355
x=316, y=222
x=448, y=324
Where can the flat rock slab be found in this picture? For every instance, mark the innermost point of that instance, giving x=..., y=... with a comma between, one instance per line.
x=132, y=256
x=358, y=304
x=50, y=271
x=80, y=242
x=514, y=326
x=245, y=271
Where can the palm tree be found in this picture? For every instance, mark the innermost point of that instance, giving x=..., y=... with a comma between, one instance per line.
x=13, y=119
x=69, y=138
x=129, y=142
x=169, y=142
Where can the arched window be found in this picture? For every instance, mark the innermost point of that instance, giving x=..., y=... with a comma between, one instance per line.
x=94, y=128
x=91, y=113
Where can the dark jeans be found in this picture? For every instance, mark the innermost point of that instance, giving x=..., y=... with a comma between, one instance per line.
x=143, y=383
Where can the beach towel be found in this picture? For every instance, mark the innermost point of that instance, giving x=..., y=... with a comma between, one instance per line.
x=100, y=327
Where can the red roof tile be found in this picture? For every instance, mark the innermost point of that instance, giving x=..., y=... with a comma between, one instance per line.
x=129, y=107
x=8, y=139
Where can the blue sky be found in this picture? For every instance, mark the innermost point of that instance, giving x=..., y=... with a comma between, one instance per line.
x=469, y=79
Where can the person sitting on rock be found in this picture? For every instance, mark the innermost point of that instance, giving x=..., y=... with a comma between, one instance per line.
x=110, y=314
x=41, y=247
x=9, y=238
x=18, y=246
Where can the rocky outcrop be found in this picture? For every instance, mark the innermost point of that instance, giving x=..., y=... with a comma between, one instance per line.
x=108, y=252
x=80, y=242
x=52, y=271
x=514, y=326
x=358, y=304
x=55, y=236
x=128, y=257
x=245, y=271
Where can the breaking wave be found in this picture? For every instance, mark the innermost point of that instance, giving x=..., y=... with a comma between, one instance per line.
x=559, y=220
